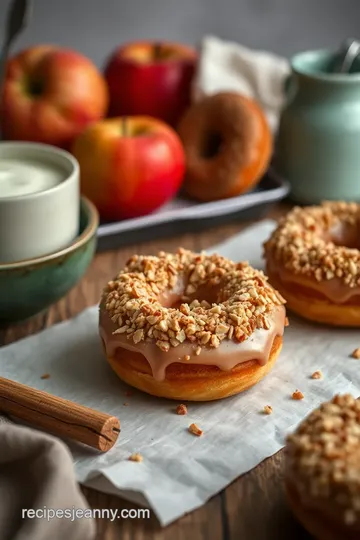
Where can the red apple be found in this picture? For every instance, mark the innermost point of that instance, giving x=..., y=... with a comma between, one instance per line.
x=50, y=94
x=151, y=79
x=129, y=166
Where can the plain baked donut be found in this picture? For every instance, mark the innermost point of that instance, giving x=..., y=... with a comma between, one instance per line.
x=322, y=470
x=191, y=326
x=313, y=259
x=228, y=145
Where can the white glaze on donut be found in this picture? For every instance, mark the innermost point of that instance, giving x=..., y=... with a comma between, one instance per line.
x=229, y=354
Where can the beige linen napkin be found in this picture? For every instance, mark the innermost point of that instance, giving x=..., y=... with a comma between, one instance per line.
x=36, y=471
x=228, y=66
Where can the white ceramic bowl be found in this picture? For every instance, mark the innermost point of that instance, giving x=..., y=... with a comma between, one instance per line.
x=42, y=222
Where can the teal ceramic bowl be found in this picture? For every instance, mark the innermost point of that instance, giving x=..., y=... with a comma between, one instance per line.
x=29, y=287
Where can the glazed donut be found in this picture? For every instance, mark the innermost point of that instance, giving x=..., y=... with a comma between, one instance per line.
x=228, y=146
x=322, y=470
x=313, y=259
x=191, y=326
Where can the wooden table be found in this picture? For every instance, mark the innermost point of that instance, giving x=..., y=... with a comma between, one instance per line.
x=252, y=507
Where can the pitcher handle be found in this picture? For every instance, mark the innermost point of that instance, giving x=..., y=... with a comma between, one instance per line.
x=289, y=87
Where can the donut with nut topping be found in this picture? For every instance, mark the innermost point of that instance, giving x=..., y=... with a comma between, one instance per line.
x=322, y=470
x=191, y=326
x=313, y=259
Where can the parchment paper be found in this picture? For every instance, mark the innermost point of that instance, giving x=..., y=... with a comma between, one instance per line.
x=180, y=471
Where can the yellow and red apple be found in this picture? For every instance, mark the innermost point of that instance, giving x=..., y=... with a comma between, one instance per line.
x=155, y=79
x=50, y=94
x=129, y=166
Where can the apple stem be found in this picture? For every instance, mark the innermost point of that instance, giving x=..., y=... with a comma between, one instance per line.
x=157, y=50
x=124, y=126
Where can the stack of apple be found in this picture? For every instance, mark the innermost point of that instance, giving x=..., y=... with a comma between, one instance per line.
x=131, y=162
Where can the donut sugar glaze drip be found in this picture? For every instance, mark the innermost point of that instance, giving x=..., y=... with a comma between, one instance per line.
x=228, y=355
x=323, y=470
x=192, y=309
x=318, y=248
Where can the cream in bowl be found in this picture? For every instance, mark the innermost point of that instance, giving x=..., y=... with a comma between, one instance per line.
x=39, y=200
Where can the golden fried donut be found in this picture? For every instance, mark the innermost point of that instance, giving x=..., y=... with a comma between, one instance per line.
x=191, y=326
x=228, y=146
x=322, y=470
x=313, y=259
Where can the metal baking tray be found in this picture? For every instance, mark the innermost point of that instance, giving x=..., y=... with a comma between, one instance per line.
x=183, y=215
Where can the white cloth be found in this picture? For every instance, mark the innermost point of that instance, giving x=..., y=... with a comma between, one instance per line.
x=181, y=472
x=225, y=66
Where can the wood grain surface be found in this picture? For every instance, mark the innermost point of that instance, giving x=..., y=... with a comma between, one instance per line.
x=251, y=508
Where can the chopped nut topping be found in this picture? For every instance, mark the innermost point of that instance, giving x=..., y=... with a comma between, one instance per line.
x=136, y=457
x=163, y=345
x=45, y=376
x=323, y=456
x=356, y=353
x=244, y=300
x=268, y=409
x=297, y=395
x=187, y=358
x=301, y=243
x=138, y=335
x=286, y=321
x=195, y=430
x=181, y=409
x=317, y=375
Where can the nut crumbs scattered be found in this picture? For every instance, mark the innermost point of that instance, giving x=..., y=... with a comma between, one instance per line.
x=181, y=409
x=317, y=375
x=195, y=430
x=136, y=457
x=297, y=395
x=125, y=404
x=45, y=376
x=268, y=409
x=356, y=353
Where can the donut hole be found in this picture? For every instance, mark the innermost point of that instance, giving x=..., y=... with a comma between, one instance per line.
x=170, y=299
x=346, y=235
x=173, y=298
x=205, y=293
x=211, y=144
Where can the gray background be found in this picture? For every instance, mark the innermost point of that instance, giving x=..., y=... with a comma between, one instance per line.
x=95, y=27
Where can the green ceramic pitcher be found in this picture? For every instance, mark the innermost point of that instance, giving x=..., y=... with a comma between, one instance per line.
x=318, y=146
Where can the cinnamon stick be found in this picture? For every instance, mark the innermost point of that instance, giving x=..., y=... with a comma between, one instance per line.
x=59, y=416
